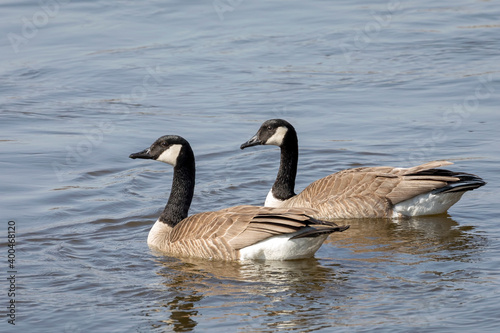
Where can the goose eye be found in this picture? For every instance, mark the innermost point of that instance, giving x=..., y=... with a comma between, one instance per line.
x=269, y=127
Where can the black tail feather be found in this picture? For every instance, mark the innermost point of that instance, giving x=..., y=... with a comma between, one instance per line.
x=466, y=182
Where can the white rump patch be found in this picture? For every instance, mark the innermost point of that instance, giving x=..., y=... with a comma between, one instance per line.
x=278, y=136
x=170, y=155
x=426, y=204
x=272, y=201
x=283, y=248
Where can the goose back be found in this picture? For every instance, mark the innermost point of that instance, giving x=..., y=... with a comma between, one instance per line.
x=373, y=192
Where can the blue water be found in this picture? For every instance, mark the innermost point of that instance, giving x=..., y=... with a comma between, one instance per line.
x=86, y=83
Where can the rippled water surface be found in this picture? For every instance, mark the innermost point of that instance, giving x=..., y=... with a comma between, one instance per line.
x=85, y=83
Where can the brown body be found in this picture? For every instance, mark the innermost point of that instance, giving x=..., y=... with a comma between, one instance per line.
x=369, y=192
x=222, y=234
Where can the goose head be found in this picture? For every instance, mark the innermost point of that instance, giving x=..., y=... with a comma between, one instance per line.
x=171, y=149
x=272, y=132
x=176, y=151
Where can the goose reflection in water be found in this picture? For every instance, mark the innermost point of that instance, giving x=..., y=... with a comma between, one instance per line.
x=255, y=291
x=439, y=235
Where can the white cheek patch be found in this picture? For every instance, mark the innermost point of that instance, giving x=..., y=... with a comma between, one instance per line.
x=278, y=136
x=170, y=155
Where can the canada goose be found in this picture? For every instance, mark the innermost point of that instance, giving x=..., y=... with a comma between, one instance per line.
x=367, y=192
x=240, y=232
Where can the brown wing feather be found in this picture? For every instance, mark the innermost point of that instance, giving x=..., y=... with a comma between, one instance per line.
x=369, y=191
x=220, y=234
x=270, y=222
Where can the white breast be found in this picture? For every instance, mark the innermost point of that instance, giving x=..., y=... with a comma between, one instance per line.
x=157, y=236
x=272, y=201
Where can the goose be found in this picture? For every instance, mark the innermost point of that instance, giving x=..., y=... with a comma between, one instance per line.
x=235, y=233
x=365, y=192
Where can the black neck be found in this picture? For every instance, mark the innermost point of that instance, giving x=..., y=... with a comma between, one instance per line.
x=182, y=191
x=284, y=185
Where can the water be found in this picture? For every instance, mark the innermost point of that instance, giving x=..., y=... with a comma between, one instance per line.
x=86, y=83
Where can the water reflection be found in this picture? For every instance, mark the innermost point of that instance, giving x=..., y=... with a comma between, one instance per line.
x=182, y=303
x=439, y=237
x=403, y=259
x=256, y=292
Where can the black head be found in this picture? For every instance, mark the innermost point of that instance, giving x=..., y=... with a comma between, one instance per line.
x=168, y=148
x=271, y=132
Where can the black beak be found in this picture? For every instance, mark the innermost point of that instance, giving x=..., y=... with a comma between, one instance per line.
x=254, y=141
x=142, y=154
